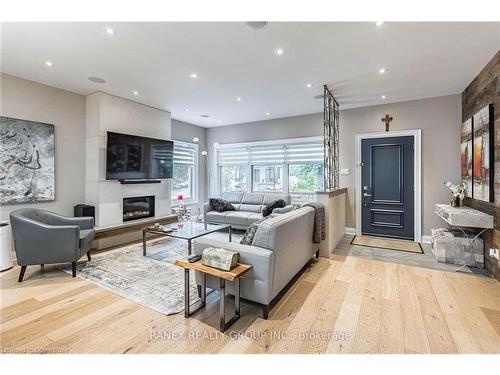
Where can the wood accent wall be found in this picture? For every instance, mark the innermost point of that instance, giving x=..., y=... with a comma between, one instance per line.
x=484, y=90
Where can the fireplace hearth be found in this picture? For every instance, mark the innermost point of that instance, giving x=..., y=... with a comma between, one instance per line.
x=135, y=208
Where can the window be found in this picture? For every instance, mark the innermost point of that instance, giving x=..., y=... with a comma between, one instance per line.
x=304, y=179
x=185, y=172
x=294, y=167
x=267, y=178
x=233, y=178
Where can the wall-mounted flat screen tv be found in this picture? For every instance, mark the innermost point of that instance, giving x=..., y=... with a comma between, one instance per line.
x=130, y=157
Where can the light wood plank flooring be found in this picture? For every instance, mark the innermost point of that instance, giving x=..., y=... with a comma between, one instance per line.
x=377, y=307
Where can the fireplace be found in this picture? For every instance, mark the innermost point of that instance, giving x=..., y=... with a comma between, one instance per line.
x=138, y=207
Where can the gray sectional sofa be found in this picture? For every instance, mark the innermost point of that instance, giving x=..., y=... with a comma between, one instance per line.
x=248, y=208
x=282, y=246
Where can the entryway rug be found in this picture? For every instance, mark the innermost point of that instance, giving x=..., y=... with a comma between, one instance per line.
x=152, y=280
x=387, y=243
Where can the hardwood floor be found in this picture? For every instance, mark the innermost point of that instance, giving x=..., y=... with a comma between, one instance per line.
x=377, y=307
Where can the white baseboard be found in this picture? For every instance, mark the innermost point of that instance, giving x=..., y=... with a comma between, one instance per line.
x=426, y=240
x=350, y=231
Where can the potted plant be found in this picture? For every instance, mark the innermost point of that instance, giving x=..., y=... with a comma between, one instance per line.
x=458, y=192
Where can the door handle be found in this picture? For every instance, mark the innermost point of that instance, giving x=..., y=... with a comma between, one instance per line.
x=366, y=195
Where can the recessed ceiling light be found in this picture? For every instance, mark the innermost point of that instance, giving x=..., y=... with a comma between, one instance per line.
x=309, y=85
x=379, y=23
x=97, y=80
x=384, y=96
x=382, y=71
x=186, y=109
x=109, y=31
x=256, y=25
x=279, y=51
x=267, y=113
x=238, y=99
x=220, y=121
x=136, y=92
x=193, y=75
x=49, y=63
x=205, y=116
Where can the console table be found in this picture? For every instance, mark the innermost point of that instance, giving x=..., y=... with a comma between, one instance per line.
x=465, y=217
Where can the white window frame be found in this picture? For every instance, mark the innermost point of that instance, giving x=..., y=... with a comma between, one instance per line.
x=194, y=199
x=250, y=166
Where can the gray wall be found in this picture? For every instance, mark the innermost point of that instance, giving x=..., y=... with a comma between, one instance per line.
x=439, y=118
x=182, y=131
x=33, y=101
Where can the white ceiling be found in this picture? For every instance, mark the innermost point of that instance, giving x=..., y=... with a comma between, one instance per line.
x=231, y=60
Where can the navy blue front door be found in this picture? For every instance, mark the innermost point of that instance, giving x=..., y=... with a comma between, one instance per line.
x=387, y=197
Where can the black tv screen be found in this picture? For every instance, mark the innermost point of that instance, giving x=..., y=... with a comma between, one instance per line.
x=130, y=157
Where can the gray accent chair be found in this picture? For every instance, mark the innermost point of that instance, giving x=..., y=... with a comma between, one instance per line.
x=248, y=208
x=281, y=248
x=43, y=237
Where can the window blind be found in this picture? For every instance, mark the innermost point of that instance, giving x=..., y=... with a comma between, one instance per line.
x=184, y=153
x=279, y=153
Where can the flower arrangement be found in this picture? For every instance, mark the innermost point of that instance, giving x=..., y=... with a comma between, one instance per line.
x=458, y=192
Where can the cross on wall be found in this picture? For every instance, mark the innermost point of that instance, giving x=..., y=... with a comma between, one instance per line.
x=387, y=120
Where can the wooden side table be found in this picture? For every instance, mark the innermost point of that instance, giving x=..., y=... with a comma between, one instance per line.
x=232, y=275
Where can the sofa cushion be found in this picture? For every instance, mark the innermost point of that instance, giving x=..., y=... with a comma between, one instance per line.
x=218, y=217
x=220, y=205
x=233, y=196
x=247, y=238
x=253, y=217
x=268, y=209
x=251, y=208
x=269, y=197
x=237, y=218
x=252, y=198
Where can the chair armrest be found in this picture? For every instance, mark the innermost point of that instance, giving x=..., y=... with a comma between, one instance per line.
x=39, y=243
x=86, y=222
x=206, y=208
x=283, y=210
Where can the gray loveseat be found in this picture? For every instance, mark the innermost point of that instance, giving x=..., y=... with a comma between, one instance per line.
x=248, y=208
x=282, y=246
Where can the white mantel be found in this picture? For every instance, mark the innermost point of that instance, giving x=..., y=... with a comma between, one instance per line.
x=105, y=113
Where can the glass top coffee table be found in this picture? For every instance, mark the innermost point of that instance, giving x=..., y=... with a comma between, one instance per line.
x=188, y=230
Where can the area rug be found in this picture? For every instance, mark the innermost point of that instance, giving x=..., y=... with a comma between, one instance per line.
x=152, y=280
x=388, y=244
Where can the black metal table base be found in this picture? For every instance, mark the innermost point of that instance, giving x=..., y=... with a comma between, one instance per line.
x=223, y=324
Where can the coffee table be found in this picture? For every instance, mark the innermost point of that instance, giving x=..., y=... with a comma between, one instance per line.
x=233, y=275
x=188, y=230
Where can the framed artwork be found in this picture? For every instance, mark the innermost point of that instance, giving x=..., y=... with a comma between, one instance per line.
x=27, y=170
x=483, y=154
x=466, y=157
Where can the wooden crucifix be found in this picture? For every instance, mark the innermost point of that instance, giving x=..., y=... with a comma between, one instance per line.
x=387, y=120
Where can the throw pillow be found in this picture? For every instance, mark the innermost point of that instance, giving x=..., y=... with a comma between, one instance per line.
x=279, y=203
x=251, y=230
x=220, y=205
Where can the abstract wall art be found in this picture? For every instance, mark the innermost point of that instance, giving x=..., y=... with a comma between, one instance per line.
x=483, y=154
x=27, y=171
x=466, y=156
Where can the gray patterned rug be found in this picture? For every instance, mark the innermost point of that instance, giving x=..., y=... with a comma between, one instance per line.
x=152, y=280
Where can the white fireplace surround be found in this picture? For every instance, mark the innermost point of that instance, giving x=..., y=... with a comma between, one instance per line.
x=105, y=113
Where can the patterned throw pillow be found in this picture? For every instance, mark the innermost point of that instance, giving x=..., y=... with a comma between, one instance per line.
x=279, y=203
x=251, y=230
x=220, y=205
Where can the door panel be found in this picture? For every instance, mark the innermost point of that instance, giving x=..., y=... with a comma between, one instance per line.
x=387, y=187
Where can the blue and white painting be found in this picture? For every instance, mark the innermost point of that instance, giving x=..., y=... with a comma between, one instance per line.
x=27, y=171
